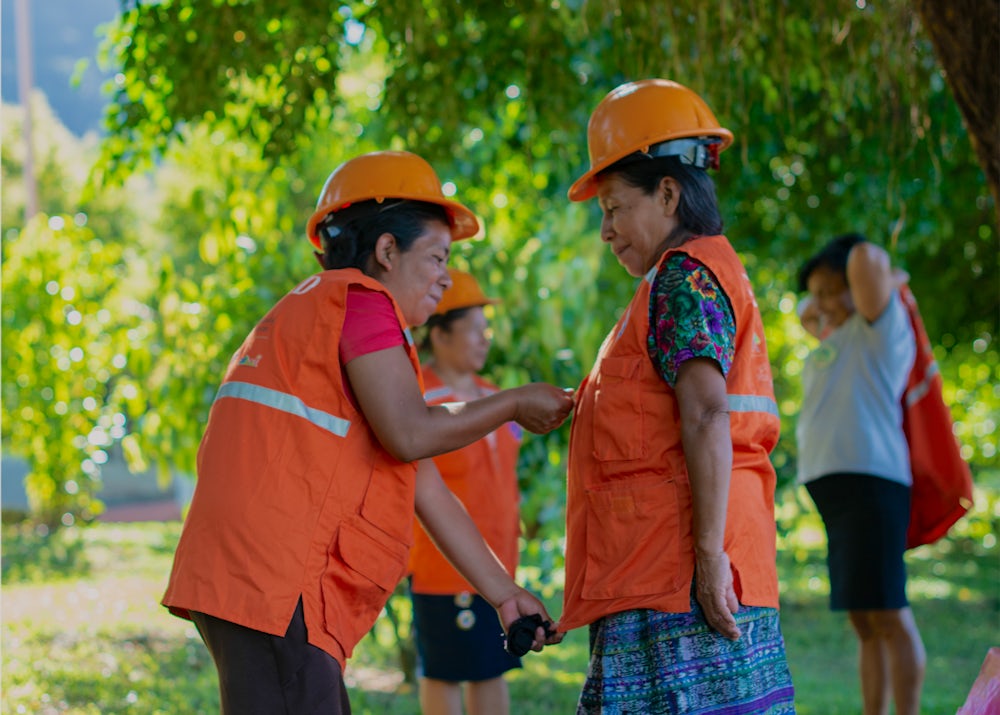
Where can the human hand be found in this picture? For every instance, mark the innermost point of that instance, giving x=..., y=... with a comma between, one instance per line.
x=715, y=593
x=542, y=407
x=809, y=316
x=524, y=604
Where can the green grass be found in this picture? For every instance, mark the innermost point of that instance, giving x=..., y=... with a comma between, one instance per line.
x=82, y=631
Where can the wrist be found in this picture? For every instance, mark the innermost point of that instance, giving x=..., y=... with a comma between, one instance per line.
x=501, y=594
x=704, y=553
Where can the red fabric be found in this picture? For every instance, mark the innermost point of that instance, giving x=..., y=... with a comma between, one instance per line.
x=369, y=325
x=942, y=482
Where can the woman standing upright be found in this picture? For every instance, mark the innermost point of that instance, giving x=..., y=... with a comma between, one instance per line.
x=670, y=551
x=854, y=459
x=460, y=642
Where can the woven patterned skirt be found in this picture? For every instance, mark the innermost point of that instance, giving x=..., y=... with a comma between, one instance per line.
x=646, y=662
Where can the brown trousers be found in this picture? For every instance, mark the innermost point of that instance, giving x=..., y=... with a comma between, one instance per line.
x=261, y=674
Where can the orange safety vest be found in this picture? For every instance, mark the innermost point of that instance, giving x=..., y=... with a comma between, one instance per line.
x=483, y=476
x=629, y=541
x=295, y=495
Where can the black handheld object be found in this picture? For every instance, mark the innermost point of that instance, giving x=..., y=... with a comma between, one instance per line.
x=521, y=633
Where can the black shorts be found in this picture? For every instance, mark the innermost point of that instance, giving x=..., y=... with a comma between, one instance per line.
x=866, y=519
x=459, y=638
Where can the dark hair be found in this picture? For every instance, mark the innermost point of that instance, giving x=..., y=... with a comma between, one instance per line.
x=833, y=256
x=443, y=321
x=349, y=235
x=698, y=208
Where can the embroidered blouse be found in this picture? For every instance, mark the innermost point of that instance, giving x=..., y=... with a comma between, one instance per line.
x=690, y=316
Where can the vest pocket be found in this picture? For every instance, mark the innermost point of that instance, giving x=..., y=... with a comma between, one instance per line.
x=363, y=567
x=633, y=539
x=618, y=414
x=388, y=502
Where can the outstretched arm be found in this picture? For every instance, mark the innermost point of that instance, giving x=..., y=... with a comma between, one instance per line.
x=455, y=534
x=389, y=396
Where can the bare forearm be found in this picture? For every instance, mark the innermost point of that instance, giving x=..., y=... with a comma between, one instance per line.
x=455, y=534
x=389, y=396
x=709, y=456
x=452, y=426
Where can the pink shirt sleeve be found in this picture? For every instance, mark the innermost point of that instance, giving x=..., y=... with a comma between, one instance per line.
x=369, y=325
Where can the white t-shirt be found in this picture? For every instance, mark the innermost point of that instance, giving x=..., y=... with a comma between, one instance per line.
x=853, y=382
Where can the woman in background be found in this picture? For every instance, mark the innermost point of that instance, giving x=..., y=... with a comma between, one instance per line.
x=854, y=459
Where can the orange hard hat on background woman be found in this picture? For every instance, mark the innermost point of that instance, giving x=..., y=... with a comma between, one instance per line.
x=463, y=293
x=657, y=117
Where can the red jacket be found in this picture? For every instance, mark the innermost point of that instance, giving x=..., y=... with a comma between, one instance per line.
x=295, y=495
x=942, y=482
x=629, y=540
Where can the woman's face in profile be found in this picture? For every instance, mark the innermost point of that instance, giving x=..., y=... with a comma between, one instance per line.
x=635, y=225
x=831, y=296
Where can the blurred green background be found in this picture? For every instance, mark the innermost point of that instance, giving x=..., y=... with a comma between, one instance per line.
x=156, y=243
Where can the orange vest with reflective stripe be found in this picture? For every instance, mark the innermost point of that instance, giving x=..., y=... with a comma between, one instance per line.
x=629, y=540
x=483, y=476
x=295, y=495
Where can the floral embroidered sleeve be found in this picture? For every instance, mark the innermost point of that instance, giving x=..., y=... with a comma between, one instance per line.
x=690, y=316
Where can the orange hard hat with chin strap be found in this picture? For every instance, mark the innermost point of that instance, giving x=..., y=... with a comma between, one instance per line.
x=387, y=176
x=653, y=117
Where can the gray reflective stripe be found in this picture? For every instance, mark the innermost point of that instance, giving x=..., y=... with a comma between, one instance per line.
x=753, y=403
x=408, y=335
x=286, y=403
x=624, y=324
x=437, y=393
x=651, y=275
x=915, y=393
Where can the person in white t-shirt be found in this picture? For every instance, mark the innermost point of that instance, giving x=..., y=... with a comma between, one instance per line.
x=854, y=460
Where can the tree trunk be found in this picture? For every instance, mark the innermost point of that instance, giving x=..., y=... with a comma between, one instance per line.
x=966, y=39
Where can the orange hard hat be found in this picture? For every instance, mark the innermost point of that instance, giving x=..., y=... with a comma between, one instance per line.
x=385, y=175
x=639, y=115
x=463, y=293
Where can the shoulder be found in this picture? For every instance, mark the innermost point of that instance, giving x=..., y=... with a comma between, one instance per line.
x=894, y=316
x=367, y=297
x=683, y=277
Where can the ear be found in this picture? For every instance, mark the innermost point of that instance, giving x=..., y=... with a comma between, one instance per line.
x=670, y=191
x=437, y=335
x=385, y=251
